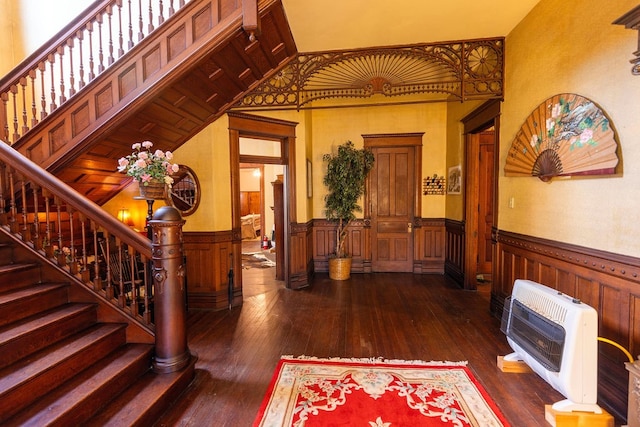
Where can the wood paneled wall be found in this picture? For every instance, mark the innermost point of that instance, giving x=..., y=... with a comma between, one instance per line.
x=608, y=282
x=209, y=260
x=454, y=258
x=429, y=245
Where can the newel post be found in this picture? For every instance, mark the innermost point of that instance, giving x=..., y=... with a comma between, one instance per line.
x=172, y=353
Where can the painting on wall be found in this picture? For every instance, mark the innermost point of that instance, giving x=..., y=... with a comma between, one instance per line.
x=566, y=135
x=454, y=180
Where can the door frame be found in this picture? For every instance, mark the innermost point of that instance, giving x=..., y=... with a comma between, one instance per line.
x=267, y=128
x=397, y=140
x=483, y=117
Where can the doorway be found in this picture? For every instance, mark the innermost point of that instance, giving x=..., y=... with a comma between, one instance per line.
x=393, y=199
x=481, y=129
x=268, y=144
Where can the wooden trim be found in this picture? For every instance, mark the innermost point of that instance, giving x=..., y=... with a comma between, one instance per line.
x=209, y=261
x=606, y=281
x=454, y=258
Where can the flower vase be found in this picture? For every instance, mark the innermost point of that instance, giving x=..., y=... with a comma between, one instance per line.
x=153, y=190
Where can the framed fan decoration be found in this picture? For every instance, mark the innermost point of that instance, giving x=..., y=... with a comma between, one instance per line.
x=567, y=135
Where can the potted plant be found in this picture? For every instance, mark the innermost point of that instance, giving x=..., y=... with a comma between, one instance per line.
x=152, y=170
x=347, y=170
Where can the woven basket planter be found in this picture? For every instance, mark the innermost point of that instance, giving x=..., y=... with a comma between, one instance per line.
x=340, y=268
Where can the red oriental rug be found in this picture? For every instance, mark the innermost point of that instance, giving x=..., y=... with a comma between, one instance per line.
x=375, y=393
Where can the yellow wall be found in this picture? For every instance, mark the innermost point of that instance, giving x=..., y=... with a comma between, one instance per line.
x=332, y=127
x=573, y=47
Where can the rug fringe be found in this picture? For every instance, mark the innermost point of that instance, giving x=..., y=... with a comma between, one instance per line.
x=380, y=360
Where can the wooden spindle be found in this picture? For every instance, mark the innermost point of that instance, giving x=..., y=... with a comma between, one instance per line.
x=120, y=37
x=110, y=43
x=26, y=235
x=97, y=279
x=34, y=105
x=160, y=13
x=61, y=259
x=48, y=247
x=62, y=98
x=140, y=25
x=73, y=265
x=130, y=44
x=80, y=37
x=150, y=26
x=72, y=80
x=52, y=105
x=25, y=120
x=43, y=98
x=91, y=64
x=13, y=209
x=14, y=95
x=171, y=9
x=37, y=243
x=100, y=51
x=4, y=98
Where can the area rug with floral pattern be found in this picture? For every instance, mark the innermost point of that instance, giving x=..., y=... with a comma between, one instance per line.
x=309, y=391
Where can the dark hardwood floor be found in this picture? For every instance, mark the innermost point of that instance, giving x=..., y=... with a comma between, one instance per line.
x=394, y=316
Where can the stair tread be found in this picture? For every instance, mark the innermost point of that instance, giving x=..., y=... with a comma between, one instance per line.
x=128, y=407
x=85, y=385
x=9, y=268
x=27, y=368
x=25, y=326
x=17, y=294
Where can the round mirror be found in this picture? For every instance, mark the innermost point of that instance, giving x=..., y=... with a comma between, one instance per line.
x=184, y=194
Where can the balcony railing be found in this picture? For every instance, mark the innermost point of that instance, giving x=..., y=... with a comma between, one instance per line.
x=74, y=57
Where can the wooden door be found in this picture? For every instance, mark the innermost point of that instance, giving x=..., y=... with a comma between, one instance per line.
x=485, y=202
x=392, y=208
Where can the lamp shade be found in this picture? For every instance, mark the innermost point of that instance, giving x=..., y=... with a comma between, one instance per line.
x=125, y=217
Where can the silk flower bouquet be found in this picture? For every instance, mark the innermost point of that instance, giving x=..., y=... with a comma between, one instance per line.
x=147, y=167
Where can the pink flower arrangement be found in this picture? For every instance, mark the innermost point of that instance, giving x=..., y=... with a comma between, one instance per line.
x=145, y=166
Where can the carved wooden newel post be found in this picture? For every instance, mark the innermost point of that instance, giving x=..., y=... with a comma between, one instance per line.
x=172, y=353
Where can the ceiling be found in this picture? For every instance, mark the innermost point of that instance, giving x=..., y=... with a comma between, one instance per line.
x=348, y=24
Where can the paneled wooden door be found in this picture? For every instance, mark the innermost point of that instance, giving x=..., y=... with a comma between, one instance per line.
x=392, y=204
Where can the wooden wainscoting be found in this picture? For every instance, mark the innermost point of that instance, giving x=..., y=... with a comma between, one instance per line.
x=606, y=281
x=429, y=252
x=301, y=255
x=454, y=258
x=429, y=245
x=324, y=244
x=209, y=259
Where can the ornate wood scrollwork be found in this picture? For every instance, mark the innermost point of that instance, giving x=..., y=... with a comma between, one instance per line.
x=631, y=20
x=461, y=70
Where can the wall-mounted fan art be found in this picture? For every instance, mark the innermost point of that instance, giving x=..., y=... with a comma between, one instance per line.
x=566, y=135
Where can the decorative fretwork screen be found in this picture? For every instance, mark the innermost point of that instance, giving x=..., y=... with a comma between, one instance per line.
x=461, y=71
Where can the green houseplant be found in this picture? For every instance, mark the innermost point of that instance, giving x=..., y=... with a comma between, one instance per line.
x=347, y=170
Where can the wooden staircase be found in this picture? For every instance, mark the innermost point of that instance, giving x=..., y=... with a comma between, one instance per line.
x=60, y=363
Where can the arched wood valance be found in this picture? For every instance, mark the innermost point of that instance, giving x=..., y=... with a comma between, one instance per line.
x=566, y=135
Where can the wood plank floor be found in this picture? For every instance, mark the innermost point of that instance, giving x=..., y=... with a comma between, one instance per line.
x=394, y=316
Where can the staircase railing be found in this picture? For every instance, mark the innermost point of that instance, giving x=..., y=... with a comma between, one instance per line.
x=87, y=46
x=76, y=234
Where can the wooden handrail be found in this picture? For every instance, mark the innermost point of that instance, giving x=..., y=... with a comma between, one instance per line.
x=77, y=235
x=58, y=188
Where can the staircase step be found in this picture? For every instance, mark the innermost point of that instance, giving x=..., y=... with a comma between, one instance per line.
x=21, y=303
x=150, y=397
x=78, y=399
x=27, y=336
x=27, y=380
x=6, y=252
x=15, y=276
